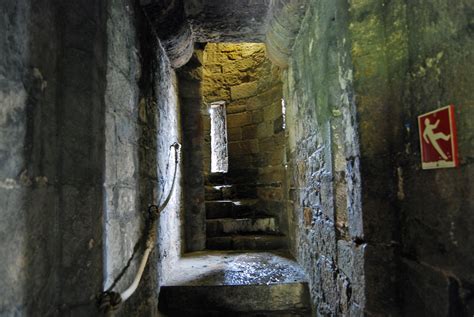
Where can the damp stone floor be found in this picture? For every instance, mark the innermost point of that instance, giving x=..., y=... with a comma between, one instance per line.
x=208, y=268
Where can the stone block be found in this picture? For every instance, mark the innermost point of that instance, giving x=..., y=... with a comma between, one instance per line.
x=381, y=277
x=243, y=147
x=227, y=226
x=242, y=298
x=325, y=287
x=189, y=89
x=239, y=161
x=228, y=192
x=258, y=242
x=239, y=119
x=252, y=49
x=206, y=123
x=277, y=157
x=243, y=175
x=345, y=257
x=212, y=193
x=272, y=174
x=307, y=216
x=267, y=144
x=213, y=55
x=238, y=66
x=243, y=90
x=235, y=108
x=253, y=103
x=271, y=96
x=219, y=243
x=257, y=116
x=232, y=79
x=425, y=291
x=234, y=134
x=270, y=193
x=265, y=130
x=272, y=112
x=249, y=132
x=211, y=69
x=246, y=190
x=211, y=94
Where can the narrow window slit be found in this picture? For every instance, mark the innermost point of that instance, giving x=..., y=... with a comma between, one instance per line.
x=283, y=113
x=219, y=152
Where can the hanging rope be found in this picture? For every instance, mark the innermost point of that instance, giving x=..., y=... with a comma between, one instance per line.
x=109, y=300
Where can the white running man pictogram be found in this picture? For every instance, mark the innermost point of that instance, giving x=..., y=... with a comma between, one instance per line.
x=431, y=137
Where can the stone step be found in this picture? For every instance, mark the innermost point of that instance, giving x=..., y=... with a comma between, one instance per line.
x=232, y=209
x=234, y=176
x=290, y=299
x=228, y=226
x=247, y=242
x=221, y=192
x=233, y=283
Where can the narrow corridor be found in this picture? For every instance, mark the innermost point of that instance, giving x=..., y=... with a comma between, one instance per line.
x=336, y=180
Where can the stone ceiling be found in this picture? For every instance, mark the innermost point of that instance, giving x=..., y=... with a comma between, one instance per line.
x=181, y=23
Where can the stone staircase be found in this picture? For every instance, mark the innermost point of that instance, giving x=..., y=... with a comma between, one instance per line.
x=234, y=220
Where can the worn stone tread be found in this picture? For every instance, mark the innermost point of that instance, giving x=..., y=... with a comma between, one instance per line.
x=235, y=300
x=228, y=226
x=247, y=242
x=231, y=208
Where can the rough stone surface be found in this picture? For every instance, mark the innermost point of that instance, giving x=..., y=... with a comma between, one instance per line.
x=135, y=176
x=29, y=192
x=227, y=20
x=180, y=23
x=436, y=205
x=403, y=205
x=321, y=152
x=72, y=145
x=89, y=107
x=235, y=268
x=284, y=23
x=189, y=79
x=172, y=27
x=123, y=214
x=51, y=156
x=226, y=226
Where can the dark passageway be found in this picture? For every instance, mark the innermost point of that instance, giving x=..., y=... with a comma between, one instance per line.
x=244, y=205
x=339, y=183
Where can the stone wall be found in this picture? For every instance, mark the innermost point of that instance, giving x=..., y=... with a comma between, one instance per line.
x=436, y=205
x=380, y=236
x=378, y=41
x=29, y=190
x=142, y=121
x=189, y=78
x=123, y=216
x=72, y=79
x=323, y=187
x=51, y=167
x=166, y=112
x=411, y=57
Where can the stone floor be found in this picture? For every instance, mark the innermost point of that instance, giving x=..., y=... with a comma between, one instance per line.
x=235, y=268
x=236, y=284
